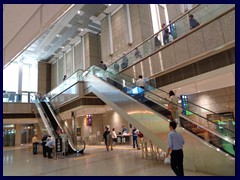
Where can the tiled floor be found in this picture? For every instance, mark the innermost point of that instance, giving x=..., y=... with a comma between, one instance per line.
x=122, y=161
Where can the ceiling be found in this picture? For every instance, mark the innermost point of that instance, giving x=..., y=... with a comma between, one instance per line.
x=79, y=20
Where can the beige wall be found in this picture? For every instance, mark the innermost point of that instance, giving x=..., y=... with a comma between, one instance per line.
x=69, y=63
x=44, y=77
x=18, y=129
x=140, y=18
x=219, y=101
x=92, y=49
x=174, y=11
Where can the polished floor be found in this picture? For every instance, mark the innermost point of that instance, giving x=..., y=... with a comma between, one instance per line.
x=122, y=161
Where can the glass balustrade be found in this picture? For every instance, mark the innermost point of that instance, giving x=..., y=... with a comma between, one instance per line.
x=178, y=28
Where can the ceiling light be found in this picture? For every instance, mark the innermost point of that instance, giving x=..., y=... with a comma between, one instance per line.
x=81, y=29
x=79, y=12
x=57, y=35
x=109, y=4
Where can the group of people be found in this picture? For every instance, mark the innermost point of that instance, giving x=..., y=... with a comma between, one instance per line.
x=169, y=36
x=110, y=138
x=48, y=144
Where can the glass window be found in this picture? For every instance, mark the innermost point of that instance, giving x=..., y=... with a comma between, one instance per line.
x=10, y=77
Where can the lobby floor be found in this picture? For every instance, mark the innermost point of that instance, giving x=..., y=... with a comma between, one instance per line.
x=122, y=161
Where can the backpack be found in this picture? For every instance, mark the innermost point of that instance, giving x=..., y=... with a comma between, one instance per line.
x=140, y=134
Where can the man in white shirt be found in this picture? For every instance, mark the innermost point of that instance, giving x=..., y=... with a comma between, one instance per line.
x=141, y=83
x=50, y=145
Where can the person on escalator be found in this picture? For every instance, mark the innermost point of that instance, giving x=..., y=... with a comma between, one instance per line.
x=173, y=105
x=141, y=84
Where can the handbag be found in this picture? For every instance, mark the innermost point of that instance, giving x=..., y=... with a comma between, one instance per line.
x=167, y=160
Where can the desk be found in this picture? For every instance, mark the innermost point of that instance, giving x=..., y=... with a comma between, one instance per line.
x=123, y=139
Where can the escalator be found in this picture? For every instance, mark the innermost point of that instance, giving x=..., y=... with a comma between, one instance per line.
x=191, y=118
x=56, y=122
x=43, y=121
x=150, y=116
x=49, y=114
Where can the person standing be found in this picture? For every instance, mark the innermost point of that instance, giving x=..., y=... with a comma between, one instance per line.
x=141, y=83
x=124, y=61
x=116, y=67
x=102, y=65
x=175, y=145
x=114, y=136
x=137, y=53
x=135, y=132
x=35, y=143
x=173, y=105
x=165, y=32
x=106, y=136
x=193, y=22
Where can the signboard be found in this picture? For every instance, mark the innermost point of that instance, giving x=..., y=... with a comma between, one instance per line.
x=58, y=143
x=185, y=106
x=78, y=131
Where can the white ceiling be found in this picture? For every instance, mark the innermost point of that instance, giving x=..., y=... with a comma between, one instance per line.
x=68, y=30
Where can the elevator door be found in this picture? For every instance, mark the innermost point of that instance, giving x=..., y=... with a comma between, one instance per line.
x=9, y=137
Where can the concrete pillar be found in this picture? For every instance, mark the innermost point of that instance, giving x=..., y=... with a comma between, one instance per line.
x=18, y=128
